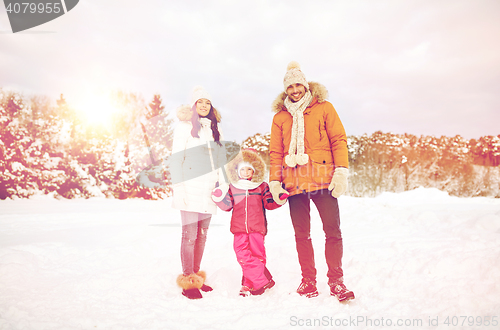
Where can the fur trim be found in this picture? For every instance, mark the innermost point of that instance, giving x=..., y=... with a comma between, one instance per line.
x=184, y=113
x=203, y=275
x=317, y=90
x=249, y=156
x=191, y=281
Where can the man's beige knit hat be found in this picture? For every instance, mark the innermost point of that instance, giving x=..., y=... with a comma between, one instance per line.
x=294, y=76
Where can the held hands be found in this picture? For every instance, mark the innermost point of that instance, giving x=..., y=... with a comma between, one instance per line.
x=279, y=194
x=338, y=186
x=220, y=192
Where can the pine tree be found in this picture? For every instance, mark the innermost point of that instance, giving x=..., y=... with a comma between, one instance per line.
x=16, y=178
x=131, y=107
x=152, y=145
x=155, y=107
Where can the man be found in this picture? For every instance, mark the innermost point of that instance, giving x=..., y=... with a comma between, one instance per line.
x=308, y=153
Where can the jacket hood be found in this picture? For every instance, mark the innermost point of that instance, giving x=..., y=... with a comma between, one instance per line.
x=184, y=113
x=318, y=91
x=249, y=156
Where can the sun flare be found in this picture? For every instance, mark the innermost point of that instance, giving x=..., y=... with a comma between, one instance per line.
x=98, y=110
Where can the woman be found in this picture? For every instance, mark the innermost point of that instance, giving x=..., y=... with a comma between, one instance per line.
x=194, y=176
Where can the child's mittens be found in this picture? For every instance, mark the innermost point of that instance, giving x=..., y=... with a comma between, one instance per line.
x=284, y=196
x=220, y=192
x=278, y=192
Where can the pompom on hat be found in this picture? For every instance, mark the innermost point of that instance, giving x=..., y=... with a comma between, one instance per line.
x=200, y=93
x=294, y=75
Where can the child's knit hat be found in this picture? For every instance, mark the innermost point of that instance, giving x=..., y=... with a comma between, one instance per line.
x=244, y=164
x=246, y=158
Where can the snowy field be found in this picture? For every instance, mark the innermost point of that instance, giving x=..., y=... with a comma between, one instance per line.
x=415, y=260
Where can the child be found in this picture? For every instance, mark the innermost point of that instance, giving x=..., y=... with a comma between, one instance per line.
x=248, y=196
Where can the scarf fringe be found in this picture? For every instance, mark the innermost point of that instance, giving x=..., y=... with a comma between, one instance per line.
x=296, y=151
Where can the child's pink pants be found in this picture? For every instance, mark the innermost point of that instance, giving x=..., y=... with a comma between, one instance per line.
x=251, y=255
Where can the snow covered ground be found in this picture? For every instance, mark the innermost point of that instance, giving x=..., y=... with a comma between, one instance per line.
x=415, y=260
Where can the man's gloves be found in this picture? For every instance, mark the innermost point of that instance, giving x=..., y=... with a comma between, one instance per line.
x=220, y=192
x=338, y=186
x=279, y=194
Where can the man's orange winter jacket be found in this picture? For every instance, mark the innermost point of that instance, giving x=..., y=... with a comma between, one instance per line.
x=325, y=142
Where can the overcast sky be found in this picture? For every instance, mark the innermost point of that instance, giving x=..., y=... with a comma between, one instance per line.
x=419, y=67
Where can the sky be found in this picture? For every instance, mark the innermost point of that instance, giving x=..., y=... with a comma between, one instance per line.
x=417, y=67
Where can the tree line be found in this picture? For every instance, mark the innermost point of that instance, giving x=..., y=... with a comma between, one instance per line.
x=387, y=162
x=49, y=149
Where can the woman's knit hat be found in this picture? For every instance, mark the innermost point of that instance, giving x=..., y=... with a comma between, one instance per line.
x=199, y=93
x=294, y=75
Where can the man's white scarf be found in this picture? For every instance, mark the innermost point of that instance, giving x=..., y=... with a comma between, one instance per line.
x=296, y=151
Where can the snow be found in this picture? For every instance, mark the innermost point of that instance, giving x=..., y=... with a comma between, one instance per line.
x=111, y=264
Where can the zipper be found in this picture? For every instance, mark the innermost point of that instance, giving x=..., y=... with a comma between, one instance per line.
x=246, y=210
x=297, y=181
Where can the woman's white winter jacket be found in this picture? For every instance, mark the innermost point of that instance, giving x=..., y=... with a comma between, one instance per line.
x=194, y=175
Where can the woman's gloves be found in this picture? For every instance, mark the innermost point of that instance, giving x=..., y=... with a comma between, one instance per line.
x=279, y=194
x=338, y=185
x=220, y=192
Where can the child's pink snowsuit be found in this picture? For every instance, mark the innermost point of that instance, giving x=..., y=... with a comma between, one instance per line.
x=248, y=200
x=249, y=226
